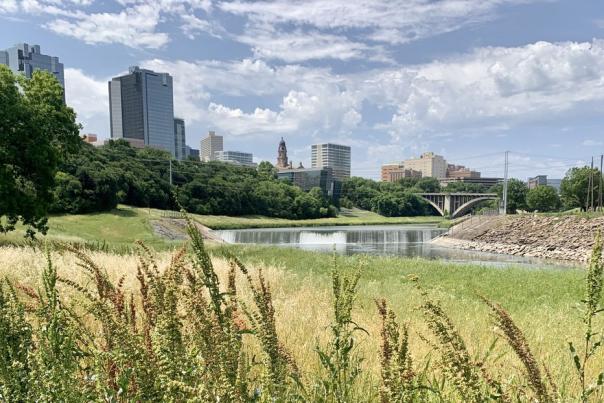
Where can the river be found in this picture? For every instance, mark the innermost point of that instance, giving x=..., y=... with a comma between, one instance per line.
x=391, y=240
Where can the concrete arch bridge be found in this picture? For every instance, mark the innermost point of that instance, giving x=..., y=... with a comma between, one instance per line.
x=456, y=204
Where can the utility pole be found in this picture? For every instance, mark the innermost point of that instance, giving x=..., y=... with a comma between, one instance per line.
x=505, y=185
x=601, y=183
x=590, y=184
x=170, y=172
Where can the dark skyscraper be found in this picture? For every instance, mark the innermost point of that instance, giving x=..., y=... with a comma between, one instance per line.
x=25, y=59
x=142, y=109
x=180, y=146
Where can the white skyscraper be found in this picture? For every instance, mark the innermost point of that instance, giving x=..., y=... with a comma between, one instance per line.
x=334, y=156
x=209, y=146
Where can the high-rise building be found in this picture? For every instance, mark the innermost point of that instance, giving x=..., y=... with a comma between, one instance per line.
x=141, y=107
x=209, y=146
x=180, y=146
x=429, y=164
x=235, y=157
x=282, y=161
x=334, y=156
x=25, y=59
x=396, y=171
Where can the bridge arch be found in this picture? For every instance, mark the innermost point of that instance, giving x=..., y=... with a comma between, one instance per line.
x=468, y=205
x=455, y=204
x=440, y=211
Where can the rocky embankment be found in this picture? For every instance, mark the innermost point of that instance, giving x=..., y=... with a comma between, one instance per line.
x=562, y=238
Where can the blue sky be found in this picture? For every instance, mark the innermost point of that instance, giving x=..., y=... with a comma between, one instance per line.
x=467, y=79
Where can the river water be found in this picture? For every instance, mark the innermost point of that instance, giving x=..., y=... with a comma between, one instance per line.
x=391, y=240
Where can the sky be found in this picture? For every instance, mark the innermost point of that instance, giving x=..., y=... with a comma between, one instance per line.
x=467, y=79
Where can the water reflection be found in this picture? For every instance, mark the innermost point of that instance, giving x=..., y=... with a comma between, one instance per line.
x=399, y=240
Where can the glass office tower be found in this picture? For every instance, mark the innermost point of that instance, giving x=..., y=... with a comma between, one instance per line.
x=141, y=109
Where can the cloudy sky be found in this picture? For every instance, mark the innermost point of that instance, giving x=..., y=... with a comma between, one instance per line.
x=467, y=79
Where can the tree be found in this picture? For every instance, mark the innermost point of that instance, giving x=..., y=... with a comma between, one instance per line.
x=266, y=170
x=575, y=185
x=37, y=132
x=543, y=198
x=428, y=185
x=517, y=191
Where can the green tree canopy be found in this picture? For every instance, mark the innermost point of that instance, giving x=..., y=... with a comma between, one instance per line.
x=574, y=187
x=37, y=131
x=543, y=199
x=517, y=191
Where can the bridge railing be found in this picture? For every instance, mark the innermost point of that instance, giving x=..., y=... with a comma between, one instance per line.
x=472, y=220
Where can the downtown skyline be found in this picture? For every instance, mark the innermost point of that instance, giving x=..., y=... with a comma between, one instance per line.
x=461, y=78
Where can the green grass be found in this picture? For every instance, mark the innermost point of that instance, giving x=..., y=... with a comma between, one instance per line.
x=346, y=217
x=118, y=228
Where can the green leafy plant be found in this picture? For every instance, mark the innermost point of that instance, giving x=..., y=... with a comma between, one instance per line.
x=592, y=341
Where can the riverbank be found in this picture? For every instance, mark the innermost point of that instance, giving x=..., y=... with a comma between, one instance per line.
x=563, y=237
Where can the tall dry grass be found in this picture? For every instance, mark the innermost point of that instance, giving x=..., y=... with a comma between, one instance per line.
x=187, y=326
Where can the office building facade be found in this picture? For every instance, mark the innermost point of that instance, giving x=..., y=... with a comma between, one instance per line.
x=334, y=156
x=141, y=108
x=235, y=157
x=209, y=146
x=429, y=164
x=180, y=146
x=25, y=59
x=460, y=171
x=394, y=172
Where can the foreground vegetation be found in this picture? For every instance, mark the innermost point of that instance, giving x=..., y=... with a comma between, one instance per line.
x=213, y=329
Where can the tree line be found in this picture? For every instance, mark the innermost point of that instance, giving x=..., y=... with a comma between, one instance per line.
x=98, y=178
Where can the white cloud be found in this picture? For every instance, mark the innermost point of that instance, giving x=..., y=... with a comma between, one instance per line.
x=8, y=6
x=312, y=100
x=193, y=25
x=392, y=21
x=131, y=27
x=501, y=85
x=592, y=143
x=298, y=46
x=482, y=92
x=88, y=96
